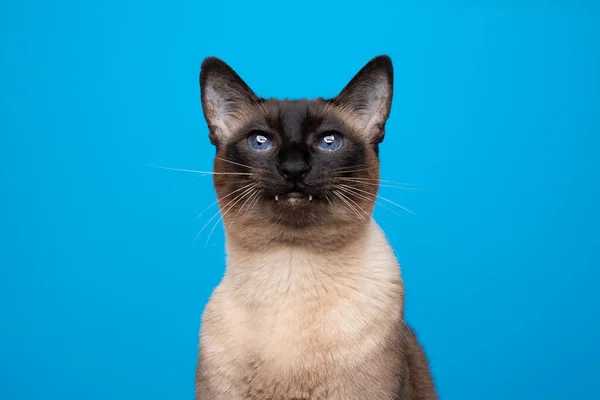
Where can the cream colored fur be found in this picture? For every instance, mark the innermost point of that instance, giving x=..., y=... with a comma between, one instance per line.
x=314, y=323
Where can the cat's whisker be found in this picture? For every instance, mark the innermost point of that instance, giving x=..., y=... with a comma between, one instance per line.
x=205, y=225
x=337, y=194
x=255, y=198
x=227, y=173
x=384, y=199
x=201, y=172
x=356, y=204
x=244, y=203
x=237, y=183
x=329, y=200
x=380, y=197
x=349, y=167
x=404, y=188
x=217, y=213
x=350, y=206
x=358, y=170
x=377, y=180
x=372, y=198
x=225, y=212
x=235, y=163
x=348, y=180
x=224, y=197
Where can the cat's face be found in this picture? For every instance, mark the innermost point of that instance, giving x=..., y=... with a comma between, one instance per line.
x=299, y=171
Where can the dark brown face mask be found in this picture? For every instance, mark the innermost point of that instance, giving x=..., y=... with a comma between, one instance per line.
x=293, y=170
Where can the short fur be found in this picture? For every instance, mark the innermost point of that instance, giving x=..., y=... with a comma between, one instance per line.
x=311, y=304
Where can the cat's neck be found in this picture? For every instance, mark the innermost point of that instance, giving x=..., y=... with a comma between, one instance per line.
x=303, y=273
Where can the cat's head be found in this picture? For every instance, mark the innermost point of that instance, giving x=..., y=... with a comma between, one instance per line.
x=297, y=171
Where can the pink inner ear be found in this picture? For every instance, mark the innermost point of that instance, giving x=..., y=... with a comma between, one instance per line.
x=368, y=95
x=375, y=99
x=224, y=95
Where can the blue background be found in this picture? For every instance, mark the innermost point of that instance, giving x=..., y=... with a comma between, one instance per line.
x=495, y=113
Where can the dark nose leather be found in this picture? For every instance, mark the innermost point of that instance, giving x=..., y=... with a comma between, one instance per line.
x=293, y=166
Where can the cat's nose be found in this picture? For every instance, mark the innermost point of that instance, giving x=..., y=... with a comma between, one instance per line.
x=294, y=171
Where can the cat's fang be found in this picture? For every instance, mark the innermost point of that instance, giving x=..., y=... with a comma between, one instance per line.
x=276, y=197
x=310, y=197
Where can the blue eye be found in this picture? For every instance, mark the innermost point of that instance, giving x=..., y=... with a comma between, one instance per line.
x=330, y=142
x=260, y=142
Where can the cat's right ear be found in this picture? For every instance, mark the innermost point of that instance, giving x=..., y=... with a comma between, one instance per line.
x=368, y=97
x=224, y=97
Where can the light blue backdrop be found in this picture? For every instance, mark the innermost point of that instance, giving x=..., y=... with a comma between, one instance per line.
x=495, y=113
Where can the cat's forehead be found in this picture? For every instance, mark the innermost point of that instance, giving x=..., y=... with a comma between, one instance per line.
x=295, y=119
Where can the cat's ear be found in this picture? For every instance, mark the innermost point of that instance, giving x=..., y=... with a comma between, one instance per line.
x=224, y=97
x=367, y=98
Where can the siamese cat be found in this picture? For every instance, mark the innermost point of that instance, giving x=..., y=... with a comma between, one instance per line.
x=311, y=305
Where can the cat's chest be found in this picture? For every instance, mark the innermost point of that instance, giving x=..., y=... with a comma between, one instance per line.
x=294, y=331
x=293, y=326
x=302, y=350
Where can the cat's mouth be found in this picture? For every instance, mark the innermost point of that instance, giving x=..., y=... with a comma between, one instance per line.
x=294, y=197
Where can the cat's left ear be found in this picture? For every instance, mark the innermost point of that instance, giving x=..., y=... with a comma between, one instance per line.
x=225, y=99
x=367, y=98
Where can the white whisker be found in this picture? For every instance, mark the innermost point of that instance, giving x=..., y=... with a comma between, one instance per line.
x=374, y=199
x=235, y=163
x=201, y=172
x=329, y=200
x=236, y=198
x=344, y=199
x=225, y=212
x=256, y=199
x=349, y=167
x=357, y=206
x=347, y=171
x=245, y=202
x=380, y=185
x=224, y=197
x=382, y=198
x=377, y=180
